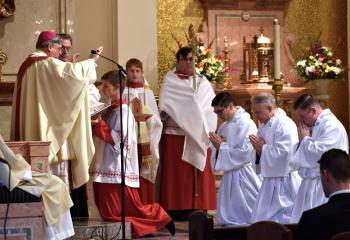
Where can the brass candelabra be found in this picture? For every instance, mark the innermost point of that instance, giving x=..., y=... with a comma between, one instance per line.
x=226, y=81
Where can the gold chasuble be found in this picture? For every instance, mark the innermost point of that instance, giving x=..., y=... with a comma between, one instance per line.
x=51, y=103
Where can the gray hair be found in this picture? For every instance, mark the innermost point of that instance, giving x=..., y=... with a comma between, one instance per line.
x=263, y=98
x=45, y=44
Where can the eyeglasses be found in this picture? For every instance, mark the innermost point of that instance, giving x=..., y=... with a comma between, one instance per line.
x=65, y=49
x=218, y=111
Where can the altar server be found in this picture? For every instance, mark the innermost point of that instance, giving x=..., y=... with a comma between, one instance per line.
x=149, y=127
x=106, y=166
x=234, y=154
x=319, y=131
x=275, y=143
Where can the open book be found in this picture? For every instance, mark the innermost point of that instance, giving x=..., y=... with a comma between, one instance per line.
x=98, y=107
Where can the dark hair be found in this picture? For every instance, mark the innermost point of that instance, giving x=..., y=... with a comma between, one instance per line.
x=183, y=52
x=66, y=36
x=134, y=62
x=304, y=102
x=113, y=77
x=223, y=99
x=337, y=162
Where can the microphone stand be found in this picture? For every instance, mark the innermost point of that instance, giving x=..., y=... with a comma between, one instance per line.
x=121, y=72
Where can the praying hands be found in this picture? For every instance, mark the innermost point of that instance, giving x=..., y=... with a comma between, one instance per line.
x=303, y=131
x=216, y=139
x=257, y=143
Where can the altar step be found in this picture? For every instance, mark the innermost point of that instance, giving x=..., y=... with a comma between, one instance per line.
x=95, y=228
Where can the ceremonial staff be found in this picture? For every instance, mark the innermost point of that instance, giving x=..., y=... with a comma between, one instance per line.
x=193, y=44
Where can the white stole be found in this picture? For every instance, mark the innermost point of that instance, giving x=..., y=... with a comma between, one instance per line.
x=191, y=110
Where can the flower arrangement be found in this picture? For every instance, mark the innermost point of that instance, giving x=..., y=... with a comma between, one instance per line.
x=319, y=62
x=209, y=65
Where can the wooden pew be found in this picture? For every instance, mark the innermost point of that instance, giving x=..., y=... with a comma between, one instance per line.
x=201, y=227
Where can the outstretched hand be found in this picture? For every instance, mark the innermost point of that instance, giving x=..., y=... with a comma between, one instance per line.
x=75, y=57
x=95, y=56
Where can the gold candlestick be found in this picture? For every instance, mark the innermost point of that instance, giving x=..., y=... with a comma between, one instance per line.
x=277, y=84
x=226, y=81
x=277, y=87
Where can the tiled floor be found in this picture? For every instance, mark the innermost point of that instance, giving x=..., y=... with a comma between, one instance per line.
x=99, y=229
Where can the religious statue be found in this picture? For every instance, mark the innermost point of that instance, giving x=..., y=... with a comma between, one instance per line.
x=7, y=8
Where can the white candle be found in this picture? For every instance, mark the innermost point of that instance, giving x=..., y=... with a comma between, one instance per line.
x=276, y=49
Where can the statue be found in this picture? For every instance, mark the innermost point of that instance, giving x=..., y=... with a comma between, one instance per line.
x=7, y=8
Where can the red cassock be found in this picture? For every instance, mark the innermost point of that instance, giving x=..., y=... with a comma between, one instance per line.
x=181, y=188
x=144, y=218
x=147, y=191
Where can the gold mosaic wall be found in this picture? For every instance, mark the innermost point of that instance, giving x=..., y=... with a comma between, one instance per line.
x=174, y=16
x=306, y=19
x=326, y=19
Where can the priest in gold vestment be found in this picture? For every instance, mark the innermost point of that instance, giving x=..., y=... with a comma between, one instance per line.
x=50, y=103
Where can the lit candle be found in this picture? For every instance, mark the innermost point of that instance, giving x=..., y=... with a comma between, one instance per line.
x=276, y=49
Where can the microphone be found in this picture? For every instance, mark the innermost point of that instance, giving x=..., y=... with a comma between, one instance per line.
x=111, y=60
x=122, y=161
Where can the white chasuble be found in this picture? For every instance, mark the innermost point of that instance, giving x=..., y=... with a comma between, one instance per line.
x=280, y=183
x=191, y=110
x=239, y=184
x=327, y=133
x=154, y=127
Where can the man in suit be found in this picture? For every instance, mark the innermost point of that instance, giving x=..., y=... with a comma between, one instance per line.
x=331, y=218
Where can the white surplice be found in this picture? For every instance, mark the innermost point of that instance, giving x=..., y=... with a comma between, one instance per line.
x=106, y=164
x=327, y=133
x=191, y=110
x=147, y=98
x=280, y=183
x=239, y=184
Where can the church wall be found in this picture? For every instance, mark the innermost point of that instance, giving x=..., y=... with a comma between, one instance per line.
x=328, y=19
x=174, y=17
x=305, y=19
x=92, y=24
x=18, y=35
x=137, y=35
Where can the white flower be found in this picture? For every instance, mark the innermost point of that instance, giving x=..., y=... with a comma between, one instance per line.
x=336, y=70
x=301, y=63
x=317, y=63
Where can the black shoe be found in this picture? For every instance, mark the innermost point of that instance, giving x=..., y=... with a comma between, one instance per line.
x=171, y=228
